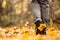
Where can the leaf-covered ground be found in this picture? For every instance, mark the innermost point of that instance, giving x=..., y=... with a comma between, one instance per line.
x=25, y=33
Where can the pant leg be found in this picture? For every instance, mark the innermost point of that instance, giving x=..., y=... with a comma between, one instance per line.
x=36, y=11
x=44, y=9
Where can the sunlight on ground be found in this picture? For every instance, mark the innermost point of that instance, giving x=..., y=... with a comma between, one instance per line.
x=17, y=33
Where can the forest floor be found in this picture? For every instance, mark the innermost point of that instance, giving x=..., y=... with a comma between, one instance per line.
x=24, y=33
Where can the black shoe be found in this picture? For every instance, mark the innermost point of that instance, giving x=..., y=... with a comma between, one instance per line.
x=43, y=31
x=37, y=23
x=37, y=30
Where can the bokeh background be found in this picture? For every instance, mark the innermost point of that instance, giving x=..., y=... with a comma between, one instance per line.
x=16, y=21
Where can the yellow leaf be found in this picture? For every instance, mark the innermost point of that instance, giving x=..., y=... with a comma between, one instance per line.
x=51, y=31
x=41, y=27
x=4, y=4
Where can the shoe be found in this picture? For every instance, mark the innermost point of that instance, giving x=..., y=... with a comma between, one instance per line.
x=43, y=32
x=37, y=23
x=37, y=30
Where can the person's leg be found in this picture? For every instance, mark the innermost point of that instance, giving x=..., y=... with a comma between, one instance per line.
x=37, y=16
x=35, y=8
x=45, y=10
x=44, y=4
